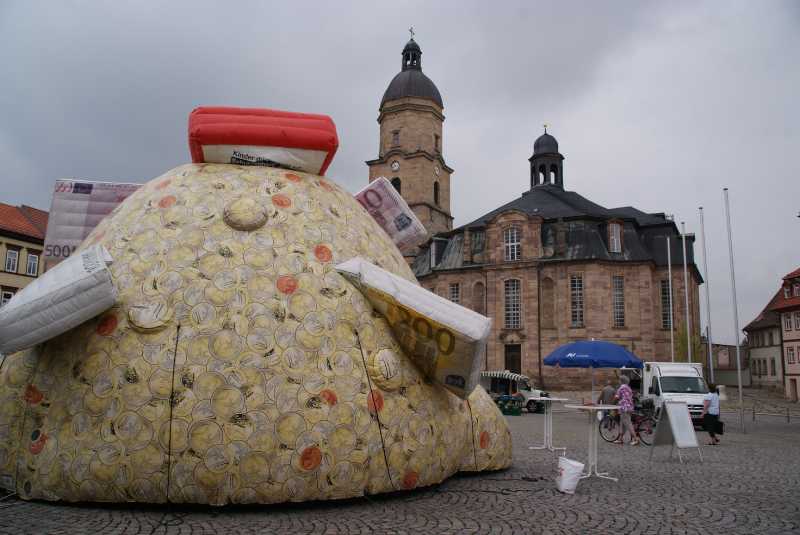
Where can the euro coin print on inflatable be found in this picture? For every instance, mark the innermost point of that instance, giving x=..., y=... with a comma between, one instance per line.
x=264, y=341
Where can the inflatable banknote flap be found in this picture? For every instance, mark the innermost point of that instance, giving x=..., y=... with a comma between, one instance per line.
x=444, y=339
x=76, y=290
x=388, y=208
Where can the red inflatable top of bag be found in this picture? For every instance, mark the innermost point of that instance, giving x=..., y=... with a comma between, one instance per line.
x=256, y=136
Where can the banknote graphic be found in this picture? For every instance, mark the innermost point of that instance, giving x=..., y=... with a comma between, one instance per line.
x=445, y=340
x=390, y=210
x=76, y=209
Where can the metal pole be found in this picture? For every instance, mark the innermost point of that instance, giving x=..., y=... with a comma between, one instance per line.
x=669, y=283
x=735, y=309
x=686, y=295
x=708, y=298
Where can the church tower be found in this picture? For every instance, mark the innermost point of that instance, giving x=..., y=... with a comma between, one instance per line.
x=410, y=145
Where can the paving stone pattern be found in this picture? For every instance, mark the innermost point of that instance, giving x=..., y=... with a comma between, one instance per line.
x=748, y=485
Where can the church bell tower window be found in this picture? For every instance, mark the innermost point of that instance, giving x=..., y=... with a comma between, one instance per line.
x=397, y=185
x=436, y=193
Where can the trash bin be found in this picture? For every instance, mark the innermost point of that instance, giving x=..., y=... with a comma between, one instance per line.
x=569, y=473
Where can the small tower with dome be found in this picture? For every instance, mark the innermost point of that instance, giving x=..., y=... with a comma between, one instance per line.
x=547, y=164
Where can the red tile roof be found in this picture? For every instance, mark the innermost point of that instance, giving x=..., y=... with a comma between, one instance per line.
x=782, y=302
x=793, y=275
x=23, y=220
x=36, y=216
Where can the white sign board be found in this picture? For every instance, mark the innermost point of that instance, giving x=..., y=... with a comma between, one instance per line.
x=675, y=428
x=76, y=209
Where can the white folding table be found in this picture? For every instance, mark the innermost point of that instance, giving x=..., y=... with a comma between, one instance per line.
x=547, y=444
x=591, y=464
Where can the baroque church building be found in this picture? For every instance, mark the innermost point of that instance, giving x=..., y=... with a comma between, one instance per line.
x=549, y=267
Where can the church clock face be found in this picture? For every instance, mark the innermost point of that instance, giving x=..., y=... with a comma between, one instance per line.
x=395, y=165
x=436, y=170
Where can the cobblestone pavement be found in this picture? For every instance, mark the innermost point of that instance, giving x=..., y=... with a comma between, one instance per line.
x=748, y=485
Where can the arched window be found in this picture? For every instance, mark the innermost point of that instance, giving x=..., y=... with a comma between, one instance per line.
x=512, y=304
x=436, y=193
x=512, y=245
x=548, y=303
x=479, y=298
x=543, y=173
x=553, y=174
x=397, y=184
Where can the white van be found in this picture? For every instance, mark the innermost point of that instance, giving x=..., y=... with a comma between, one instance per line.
x=504, y=383
x=675, y=381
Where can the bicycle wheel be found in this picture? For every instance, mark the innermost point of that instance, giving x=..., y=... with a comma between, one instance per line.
x=609, y=428
x=646, y=429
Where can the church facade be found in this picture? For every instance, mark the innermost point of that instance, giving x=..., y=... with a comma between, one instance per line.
x=548, y=267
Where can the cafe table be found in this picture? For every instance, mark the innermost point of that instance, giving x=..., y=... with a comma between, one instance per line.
x=547, y=443
x=591, y=412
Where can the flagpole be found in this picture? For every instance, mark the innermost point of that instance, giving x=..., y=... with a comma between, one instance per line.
x=735, y=309
x=669, y=283
x=708, y=298
x=686, y=295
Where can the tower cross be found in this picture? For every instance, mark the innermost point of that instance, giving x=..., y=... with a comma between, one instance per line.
x=411, y=31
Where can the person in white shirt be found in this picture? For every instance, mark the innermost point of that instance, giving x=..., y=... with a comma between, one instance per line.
x=711, y=414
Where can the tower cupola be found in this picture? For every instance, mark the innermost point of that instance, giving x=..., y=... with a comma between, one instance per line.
x=412, y=56
x=547, y=164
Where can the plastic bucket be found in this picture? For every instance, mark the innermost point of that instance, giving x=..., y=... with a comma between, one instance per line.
x=569, y=473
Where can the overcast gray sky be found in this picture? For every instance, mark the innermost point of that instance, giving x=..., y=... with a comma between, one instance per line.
x=658, y=105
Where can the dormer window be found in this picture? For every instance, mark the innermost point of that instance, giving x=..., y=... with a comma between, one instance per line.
x=511, y=244
x=786, y=292
x=796, y=289
x=615, y=237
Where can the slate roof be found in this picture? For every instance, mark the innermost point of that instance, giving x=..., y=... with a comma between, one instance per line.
x=549, y=202
x=411, y=81
x=767, y=317
x=23, y=220
x=585, y=224
x=545, y=144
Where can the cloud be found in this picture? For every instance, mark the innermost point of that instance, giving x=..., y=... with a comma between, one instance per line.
x=655, y=105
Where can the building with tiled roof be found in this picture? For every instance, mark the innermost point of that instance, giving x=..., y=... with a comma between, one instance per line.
x=787, y=305
x=764, y=344
x=22, y=231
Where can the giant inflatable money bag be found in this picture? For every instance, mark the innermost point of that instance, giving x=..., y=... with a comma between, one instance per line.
x=236, y=365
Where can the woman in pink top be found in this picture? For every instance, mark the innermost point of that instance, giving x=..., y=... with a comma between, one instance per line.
x=625, y=396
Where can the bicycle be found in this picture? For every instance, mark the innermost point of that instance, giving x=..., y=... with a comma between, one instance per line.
x=644, y=426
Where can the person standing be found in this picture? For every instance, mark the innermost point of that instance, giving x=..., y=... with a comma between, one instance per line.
x=607, y=394
x=711, y=414
x=625, y=396
x=606, y=398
